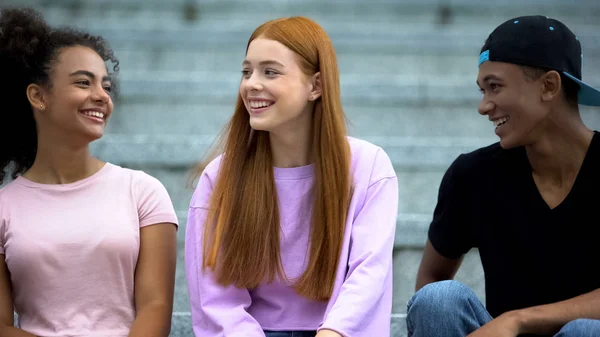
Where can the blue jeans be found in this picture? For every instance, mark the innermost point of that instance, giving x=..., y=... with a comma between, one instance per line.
x=451, y=309
x=290, y=333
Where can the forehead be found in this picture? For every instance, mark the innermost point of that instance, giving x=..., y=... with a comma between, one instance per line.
x=262, y=49
x=499, y=70
x=71, y=59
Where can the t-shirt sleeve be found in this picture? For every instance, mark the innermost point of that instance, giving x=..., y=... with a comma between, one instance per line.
x=450, y=230
x=1, y=233
x=154, y=203
x=2, y=225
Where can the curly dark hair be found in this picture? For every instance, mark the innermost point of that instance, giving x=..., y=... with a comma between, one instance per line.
x=29, y=47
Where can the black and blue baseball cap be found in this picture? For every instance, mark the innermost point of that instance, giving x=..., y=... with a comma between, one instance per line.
x=539, y=41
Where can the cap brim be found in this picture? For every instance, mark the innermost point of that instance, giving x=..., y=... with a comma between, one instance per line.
x=587, y=95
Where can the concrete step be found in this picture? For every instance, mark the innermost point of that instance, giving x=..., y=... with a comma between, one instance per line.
x=407, y=256
x=460, y=65
x=356, y=88
x=153, y=27
x=371, y=121
x=181, y=326
x=387, y=39
x=365, y=120
x=417, y=198
x=468, y=6
x=418, y=191
x=406, y=263
x=177, y=14
x=386, y=26
x=174, y=150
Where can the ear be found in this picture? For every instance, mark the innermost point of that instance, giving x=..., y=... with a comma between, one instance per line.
x=316, y=88
x=35, y=95
x=551, y=85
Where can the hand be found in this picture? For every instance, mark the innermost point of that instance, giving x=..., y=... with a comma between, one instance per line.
x=328, y=333
x=505, y=325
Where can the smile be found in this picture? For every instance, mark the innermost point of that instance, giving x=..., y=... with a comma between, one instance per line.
x=95, y=115
x=499, y=121
x=260, y=104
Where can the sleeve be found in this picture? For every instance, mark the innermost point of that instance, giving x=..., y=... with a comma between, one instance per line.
x=217, y=311
x=450, y=230
x=2, y=225
x=363, y=305
x=154, y=203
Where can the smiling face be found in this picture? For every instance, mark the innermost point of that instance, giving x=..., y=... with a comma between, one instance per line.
x=274, y=89
x=78, y=102
x=513, y=103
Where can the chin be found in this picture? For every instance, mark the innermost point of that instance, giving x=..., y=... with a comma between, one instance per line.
x=255, y=125
x=506, y=145
x=511, y=143
x=92, y=136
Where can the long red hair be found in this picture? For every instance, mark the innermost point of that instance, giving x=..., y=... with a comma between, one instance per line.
x=241, y=235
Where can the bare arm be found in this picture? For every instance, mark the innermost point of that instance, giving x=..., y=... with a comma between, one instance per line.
x=435, y=267
x=6, y=304
x=545, y=319
x=550, y=318
x=155, y=281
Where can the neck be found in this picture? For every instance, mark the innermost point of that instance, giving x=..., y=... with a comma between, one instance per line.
x=559, y=152
x=57, y=162
x=292, y=148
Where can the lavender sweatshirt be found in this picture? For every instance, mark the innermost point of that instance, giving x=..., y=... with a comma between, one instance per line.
x=362, y=298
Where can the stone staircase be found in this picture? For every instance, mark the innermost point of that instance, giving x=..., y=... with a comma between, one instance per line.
x=408, y=70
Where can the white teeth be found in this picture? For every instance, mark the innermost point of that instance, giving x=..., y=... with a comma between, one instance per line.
x=259, y=104
x=500, y=121
x=94, y=114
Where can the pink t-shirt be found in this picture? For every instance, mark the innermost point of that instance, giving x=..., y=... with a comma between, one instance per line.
x=72, y=249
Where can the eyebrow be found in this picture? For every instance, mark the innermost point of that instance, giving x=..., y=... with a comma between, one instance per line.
x=487, y=78
x=267, y=62
x=90, y=75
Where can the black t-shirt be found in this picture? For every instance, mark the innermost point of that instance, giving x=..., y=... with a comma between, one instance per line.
x=531, y=254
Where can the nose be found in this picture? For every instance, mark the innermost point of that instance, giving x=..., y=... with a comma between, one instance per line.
x=485, y=106
x=100, y=95
x=253, y=83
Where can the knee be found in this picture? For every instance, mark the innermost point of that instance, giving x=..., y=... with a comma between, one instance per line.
x=437, y=299
x=580, y=328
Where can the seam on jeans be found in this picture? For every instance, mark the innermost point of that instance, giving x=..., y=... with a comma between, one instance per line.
x=409, y=329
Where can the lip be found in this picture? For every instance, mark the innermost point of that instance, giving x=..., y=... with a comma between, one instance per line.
x=94, y=118
x=496, y=117
x=258, y=110
x=498, y=129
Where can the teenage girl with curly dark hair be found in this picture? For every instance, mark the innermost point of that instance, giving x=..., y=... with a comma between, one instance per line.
x=86, y=247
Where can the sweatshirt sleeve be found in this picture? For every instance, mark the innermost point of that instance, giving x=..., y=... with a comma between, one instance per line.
x=216, y=310
x=363, y=305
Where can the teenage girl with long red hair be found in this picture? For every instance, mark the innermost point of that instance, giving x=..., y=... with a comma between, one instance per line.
x=291, y=230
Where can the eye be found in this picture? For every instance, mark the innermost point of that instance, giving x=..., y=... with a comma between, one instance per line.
x=246, y=73
x=271, y=72
x=107, y=88
x=83, y=82
x=494, y=86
